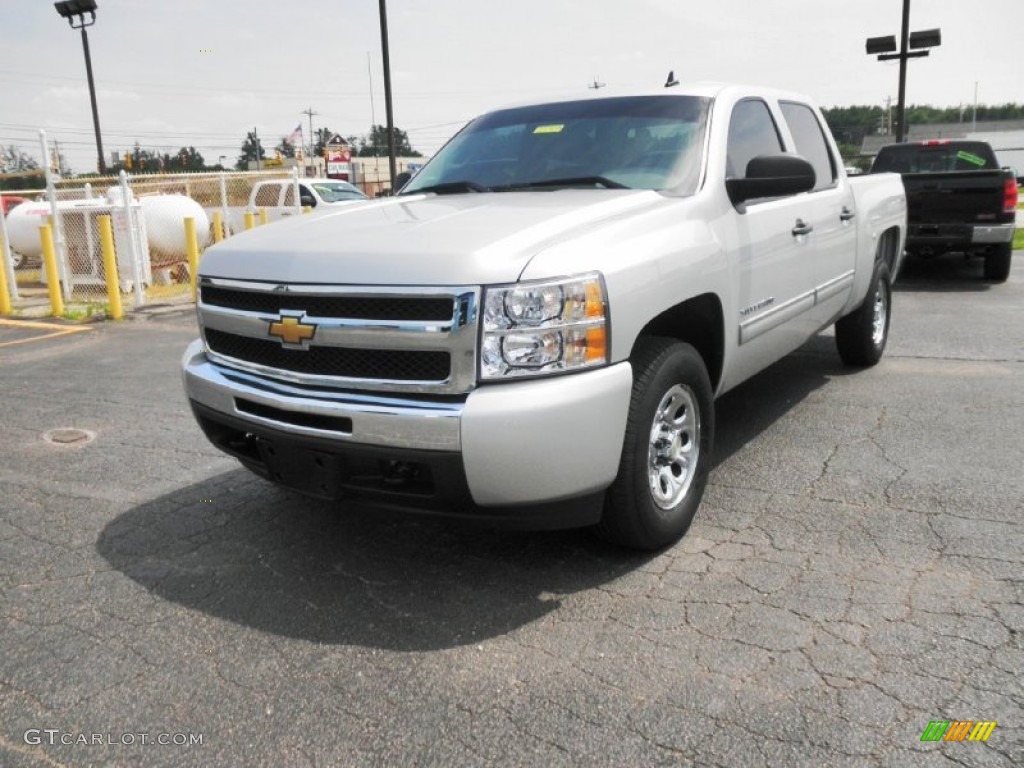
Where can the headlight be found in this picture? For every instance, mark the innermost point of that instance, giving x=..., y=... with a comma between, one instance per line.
x=532, y=329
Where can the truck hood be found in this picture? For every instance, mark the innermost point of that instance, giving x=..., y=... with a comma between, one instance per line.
x=461, y=239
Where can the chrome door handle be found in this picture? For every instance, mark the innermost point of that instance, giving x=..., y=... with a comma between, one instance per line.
x=802, y=228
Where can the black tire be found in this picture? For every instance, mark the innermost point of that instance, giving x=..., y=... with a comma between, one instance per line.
x=861, y=335
x=672, y=397
x=997, y=263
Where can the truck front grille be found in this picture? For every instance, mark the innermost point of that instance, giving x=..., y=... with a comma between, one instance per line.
x=396, y=365
x=382, y=339
x=354, y=307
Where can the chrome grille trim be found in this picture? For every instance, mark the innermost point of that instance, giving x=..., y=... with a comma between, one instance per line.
x=456, y=336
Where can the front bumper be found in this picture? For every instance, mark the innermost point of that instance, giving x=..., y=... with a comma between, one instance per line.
x=505, y=451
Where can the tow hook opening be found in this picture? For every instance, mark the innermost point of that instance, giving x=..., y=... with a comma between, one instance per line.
x=403, y=473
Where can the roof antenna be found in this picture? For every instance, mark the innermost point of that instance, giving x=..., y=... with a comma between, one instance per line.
x=671, y=79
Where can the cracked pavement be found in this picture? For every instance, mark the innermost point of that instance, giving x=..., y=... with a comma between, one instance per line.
x=854, y=573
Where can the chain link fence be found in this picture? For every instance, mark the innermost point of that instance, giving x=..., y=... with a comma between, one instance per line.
x=147, y=213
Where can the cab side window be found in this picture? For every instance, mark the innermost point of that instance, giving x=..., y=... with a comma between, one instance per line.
x=810, y=142
x=752, y=132
x=289, y=196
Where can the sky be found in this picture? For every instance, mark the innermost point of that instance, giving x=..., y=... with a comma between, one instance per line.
x=204, y=72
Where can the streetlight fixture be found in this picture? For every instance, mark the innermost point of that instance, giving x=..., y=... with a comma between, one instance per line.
x=885, y=46
x=70, y=10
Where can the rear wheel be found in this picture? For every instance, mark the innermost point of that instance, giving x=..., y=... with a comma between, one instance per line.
x=666, y=454
x=997, y=263
x=861, y=335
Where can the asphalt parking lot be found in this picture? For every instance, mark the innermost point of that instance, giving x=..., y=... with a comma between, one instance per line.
x=854, y=573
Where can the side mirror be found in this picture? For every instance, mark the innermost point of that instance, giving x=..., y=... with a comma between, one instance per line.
x=401, y=180
x=772, y=176
x=309, y=200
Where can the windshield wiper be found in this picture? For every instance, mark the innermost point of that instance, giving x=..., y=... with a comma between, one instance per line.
x=569, y=181
x=450, y=188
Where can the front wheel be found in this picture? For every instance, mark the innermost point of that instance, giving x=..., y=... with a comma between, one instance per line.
x=997, y=263
x=861, y=335
x=666, y=454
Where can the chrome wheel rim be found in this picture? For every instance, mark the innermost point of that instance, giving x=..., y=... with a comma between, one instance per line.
x=674, y=447
x=881, y=316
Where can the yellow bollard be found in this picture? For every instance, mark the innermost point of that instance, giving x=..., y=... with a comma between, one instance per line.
x=5, y=296
x=218, y=227
x=110, y=267
x=250, y=220
x=263, y=216
x=192, y=245
x=50, y=265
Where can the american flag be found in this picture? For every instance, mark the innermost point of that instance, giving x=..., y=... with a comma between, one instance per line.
x=295, y=137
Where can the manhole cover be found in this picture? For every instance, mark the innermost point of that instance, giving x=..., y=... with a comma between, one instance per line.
x=69, y=436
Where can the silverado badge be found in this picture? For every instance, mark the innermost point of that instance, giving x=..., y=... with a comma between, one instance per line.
x=292, y=332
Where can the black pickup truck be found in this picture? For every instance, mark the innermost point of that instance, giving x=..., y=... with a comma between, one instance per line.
x=958, y=200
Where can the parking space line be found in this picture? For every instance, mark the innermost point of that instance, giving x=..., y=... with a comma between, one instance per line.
x=56, y=330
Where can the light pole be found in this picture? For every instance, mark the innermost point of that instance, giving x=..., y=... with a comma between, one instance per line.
x=884, y=46
x=70, y=9
x=387, y=91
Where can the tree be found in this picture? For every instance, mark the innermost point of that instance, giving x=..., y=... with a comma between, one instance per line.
x=21, y=171
x=320, y=138
x=249, y=148
x=376, y=144
x=13, y=160
x=285, y=147
x=186, y=159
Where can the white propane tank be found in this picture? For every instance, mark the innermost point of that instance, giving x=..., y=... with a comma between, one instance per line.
x=165, y=224
x=23, y=224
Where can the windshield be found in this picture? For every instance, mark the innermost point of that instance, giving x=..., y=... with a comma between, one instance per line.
x=337, y=191
x=935, y=158
x=640, y=142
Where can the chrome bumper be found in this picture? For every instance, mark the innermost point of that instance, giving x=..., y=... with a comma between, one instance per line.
x=526, y=442
x=376, y=420
x=997, y=233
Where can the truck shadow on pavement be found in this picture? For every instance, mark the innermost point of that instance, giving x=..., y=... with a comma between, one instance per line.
x=240, y=549
x=948, y=273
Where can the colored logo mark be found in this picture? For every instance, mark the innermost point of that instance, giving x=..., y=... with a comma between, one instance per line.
x=290, y=330
x=958, y=730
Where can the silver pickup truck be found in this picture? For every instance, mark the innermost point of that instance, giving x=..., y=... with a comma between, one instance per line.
x=534, y=331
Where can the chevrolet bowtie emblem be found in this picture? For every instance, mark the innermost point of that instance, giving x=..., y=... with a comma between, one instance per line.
x=292, y=331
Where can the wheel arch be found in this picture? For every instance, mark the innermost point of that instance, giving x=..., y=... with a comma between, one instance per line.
x=888, y=249
x=699, y=322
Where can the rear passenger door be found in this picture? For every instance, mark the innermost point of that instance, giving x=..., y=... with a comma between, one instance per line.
x=828, y=209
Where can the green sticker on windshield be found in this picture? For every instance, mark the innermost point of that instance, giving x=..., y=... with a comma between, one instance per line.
x=549, y=128
x=972, y=159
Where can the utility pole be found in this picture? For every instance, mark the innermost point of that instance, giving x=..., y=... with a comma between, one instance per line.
x=594, y=86
x=256, y=141
x=974, y=112
x=309, y=111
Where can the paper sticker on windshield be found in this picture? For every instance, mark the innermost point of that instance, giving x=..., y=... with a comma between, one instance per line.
x=549, y=128
x=972, y=159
